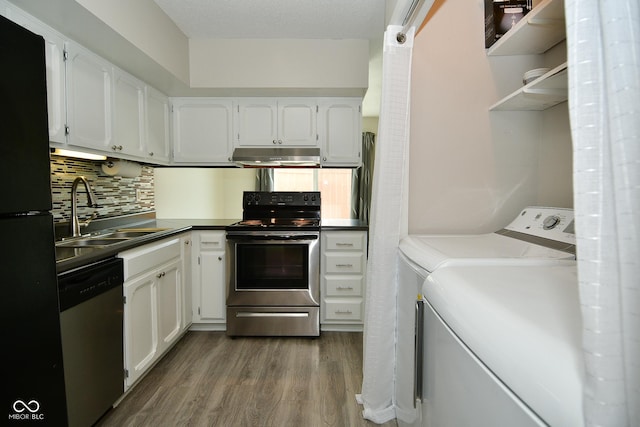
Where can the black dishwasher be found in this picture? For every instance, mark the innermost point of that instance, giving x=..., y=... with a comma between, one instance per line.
x=91, y=323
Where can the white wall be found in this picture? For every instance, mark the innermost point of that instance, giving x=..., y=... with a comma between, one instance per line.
x=145, y=24
x=472, y=170
x=277, y=63
x=201, y=193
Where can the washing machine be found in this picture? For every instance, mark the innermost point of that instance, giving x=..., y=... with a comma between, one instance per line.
x=537, y=236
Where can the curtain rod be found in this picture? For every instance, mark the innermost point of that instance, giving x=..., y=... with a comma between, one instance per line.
x=407, y=21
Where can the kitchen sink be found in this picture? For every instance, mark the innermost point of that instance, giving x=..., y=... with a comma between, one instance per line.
x=143, y=230
x=109, y=238
x=127, y=234
x=90, y=242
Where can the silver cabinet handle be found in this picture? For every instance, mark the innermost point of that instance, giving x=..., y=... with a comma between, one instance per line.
x=344, y=265
x=344, y=244
x=343, y=312
x=344, y=288
x=219, y=258
x=116, y=147
x=159, y=275
x=151, y=153
x=274, y=141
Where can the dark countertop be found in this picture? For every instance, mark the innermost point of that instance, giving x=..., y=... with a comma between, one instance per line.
x=71, y=258
x=344, y=224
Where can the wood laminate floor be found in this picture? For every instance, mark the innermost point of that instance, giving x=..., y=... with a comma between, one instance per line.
x=209, y=379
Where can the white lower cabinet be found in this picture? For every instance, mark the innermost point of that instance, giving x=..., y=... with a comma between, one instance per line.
x=342, y=271
x=209, y=279
x=153, y=304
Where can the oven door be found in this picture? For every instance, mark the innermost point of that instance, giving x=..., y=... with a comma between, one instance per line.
x=273, y=269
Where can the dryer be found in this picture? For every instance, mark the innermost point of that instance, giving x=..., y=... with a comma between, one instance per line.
x=503, y=346
x=537, y=236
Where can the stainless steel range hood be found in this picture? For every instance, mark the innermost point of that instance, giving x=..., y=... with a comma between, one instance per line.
x=269, y=157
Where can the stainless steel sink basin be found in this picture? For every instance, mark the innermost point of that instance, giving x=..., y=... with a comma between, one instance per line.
x=145, y=230
x=128, y=234
x=109, y=238
x=90, y=242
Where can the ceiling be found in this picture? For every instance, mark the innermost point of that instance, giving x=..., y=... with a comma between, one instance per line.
x=289, y=19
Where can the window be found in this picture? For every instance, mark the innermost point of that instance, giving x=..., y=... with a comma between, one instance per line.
x=334, y=185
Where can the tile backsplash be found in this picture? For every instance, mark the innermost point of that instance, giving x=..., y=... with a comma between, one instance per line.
x=116, y=195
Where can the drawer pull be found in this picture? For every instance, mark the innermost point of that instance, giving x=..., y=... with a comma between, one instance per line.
x=344, y=244
x=343, y=312
x=159, y=275
x=344, y=265
x=344, y=288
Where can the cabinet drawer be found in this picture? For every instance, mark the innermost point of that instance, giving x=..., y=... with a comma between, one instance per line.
x=212, y=241
x=344, y=262
x=343, y=309
x=149, y=256
x=338, y=286
x=344, y=241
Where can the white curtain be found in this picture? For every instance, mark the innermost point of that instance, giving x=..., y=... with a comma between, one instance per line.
x=603, y=43
x=388, y=224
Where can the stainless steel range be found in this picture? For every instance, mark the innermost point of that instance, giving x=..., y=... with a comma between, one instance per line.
x=274, y=266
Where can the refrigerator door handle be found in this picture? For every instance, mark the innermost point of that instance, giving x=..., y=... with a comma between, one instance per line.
x=418, y=351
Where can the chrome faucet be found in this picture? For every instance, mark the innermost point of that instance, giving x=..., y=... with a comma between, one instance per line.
x=91, y=202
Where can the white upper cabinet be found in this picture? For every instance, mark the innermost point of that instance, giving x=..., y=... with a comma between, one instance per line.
x=276, y=122
x=54, y=51
x=340, y=130
x=202, y=130
x=54, y=56
x=129, y=115
x=157, y=126
x=89, y=81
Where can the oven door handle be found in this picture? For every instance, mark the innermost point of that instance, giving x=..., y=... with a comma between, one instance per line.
x=279, y=237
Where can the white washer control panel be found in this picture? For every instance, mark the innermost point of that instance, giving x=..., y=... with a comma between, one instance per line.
x=549, y=223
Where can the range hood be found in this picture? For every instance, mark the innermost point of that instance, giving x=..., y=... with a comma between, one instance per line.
x=269, y=157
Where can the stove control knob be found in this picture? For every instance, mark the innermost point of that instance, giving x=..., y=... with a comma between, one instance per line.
x=550, y=222
x=305, y=197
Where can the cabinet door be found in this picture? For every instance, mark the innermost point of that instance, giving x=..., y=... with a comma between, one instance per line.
x=297, y=122
x=54, y=57
x=157, y=126
x=340, y=131
x=129, y=120
x=187, y=294
x=54, y=53
x=169, y=300
x=257, y=120
x=141, y=340
x=209, y=277
x=89, y=82
x=212, y=286
x=202, y=130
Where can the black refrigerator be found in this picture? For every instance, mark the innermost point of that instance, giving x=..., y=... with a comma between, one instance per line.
x=33, y=378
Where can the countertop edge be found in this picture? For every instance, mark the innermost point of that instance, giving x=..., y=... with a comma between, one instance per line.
x=174, y=227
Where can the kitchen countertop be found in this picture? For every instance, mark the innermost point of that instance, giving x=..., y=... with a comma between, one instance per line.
x=71, y=258
x=344, y=224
